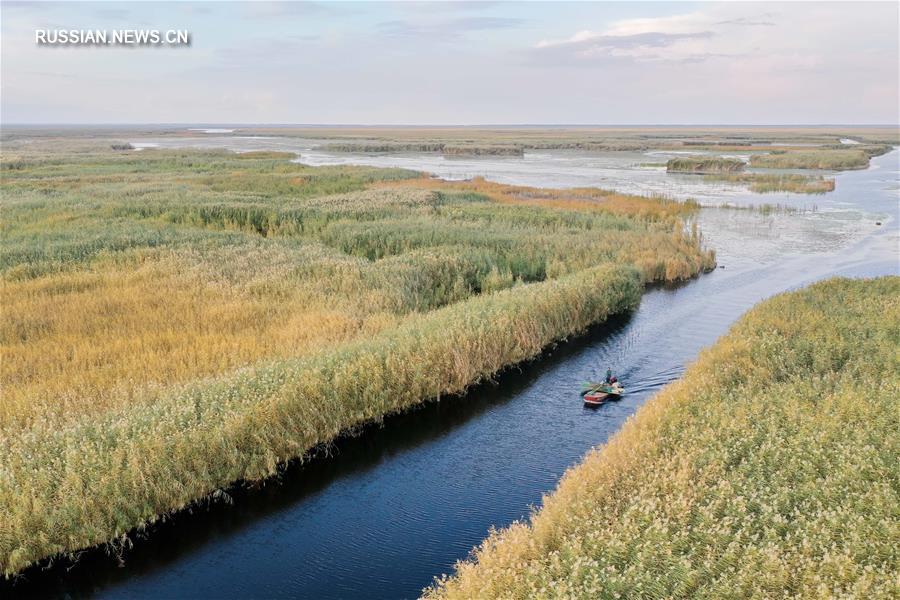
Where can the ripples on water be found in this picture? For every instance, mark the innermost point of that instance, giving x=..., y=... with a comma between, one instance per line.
x=400, y=504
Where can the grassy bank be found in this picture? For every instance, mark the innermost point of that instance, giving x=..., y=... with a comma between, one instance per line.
x=613, y=139
x=373, y=147
x=177, y=321
x=706, y=164
x=769, y=470
x=833, y=160
x=253, y=154
x=764, y=183
x=579, y=200
x=483, y=150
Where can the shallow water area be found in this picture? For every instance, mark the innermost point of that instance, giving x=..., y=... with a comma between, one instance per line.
x=632, y=172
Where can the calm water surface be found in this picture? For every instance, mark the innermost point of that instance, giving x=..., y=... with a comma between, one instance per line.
x=392, y=508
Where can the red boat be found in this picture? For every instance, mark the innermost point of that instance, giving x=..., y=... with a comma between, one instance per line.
x=595, y=398
x=597, y=393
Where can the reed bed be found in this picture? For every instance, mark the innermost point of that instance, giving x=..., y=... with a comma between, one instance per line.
x=832, y=160
x=769, y=470
x=254, y=154
x=705, y=164
x=175, y=322
x=600, y=139
x=483, y=150
x=375, y=147
x=764, y=183
x=578, y=200
x=71, y=482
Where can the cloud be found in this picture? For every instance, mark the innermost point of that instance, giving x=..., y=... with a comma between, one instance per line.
x=443, y=30
x=448, y=6
x=822, y=62
x=193, y=8
x=30, y=7
x=740, y=62
x=264, y=53
x=747, y=22
x=270, y=10
x=113, y=14
x=590, y=47
x=313, y=37
x=718, y=31
x=653, y=39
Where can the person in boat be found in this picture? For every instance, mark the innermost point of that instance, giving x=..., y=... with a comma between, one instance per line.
x=610, y=378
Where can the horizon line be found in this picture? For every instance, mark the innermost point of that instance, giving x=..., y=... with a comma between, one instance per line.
x=209, y=125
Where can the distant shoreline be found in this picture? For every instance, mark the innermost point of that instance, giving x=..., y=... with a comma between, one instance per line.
x=512, y=126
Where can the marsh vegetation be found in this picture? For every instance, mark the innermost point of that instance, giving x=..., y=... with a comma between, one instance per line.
x=834, y=159
x=176, y=321
x=480, y=149
x=781, y=148
x=705, y=164
x=768, y=470
x=597, y=138
x=763, y=183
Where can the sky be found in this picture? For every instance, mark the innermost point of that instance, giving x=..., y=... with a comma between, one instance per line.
x=459, y=63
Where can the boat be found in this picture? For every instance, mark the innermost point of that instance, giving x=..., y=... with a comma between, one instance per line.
x=595, y=394
x=613, y=389
x=595, y=398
